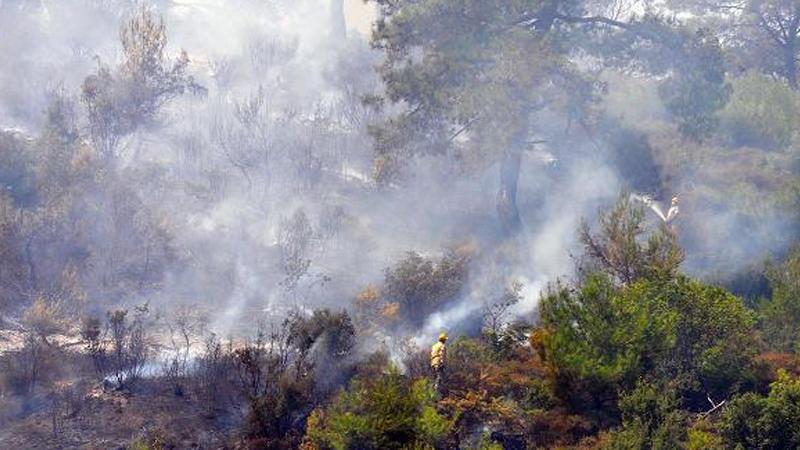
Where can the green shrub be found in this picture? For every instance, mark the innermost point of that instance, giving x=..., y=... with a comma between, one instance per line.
x=781, y=313
x=602, y=338
x=701, y=437
x=769, y=423
x=422, y=285
x=697, y=90
x=390, y=412
x=762, y=112
x=651, y=418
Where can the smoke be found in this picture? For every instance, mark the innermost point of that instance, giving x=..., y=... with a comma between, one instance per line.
x=282, y=135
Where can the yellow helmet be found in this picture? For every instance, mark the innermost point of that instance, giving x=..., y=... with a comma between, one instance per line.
x=442, y=337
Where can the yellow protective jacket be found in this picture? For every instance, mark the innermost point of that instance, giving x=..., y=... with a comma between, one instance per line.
x=438, y=355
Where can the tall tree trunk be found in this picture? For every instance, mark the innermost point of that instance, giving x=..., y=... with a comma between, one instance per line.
x=511, y=161
x=33, y=280
x=790, y=63
x=510, y=165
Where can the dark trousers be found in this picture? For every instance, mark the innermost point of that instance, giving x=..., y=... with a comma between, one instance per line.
x=438, y=378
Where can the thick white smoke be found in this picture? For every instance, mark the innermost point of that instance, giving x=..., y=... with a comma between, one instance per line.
x=265, y=183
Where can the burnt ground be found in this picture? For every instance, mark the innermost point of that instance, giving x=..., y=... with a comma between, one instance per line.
x=91, y=417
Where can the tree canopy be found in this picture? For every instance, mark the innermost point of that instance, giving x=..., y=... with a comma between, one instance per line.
x=474, y=79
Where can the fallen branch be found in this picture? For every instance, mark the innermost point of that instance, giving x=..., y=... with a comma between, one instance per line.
x=714, y=407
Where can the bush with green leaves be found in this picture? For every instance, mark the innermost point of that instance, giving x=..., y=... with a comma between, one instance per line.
x=17, y=170
x=624, y=247
x=765, y=423
x=697, y=90
x=120, y=101
x=762, y=112
x=390, y=412
x=781, y=313
x=601, y=338
x=324, y=343
x=422, y=285
x=652, y=419
x=702, y=436
x=273, y=419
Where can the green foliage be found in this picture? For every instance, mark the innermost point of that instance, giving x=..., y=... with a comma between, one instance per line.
x=623, y=248
x=335, y=329
x=17, y=175
x=651, y=420
x=701, y=437
x=139, y=444
x=764, y=38
x=158, y=441
x=480, y=70
x=389, y=412
x=632, y=437
x=698, y=89
x=739, y=425
x=538, y=395
x=272, y=416
x=768, y=423
x=487, y=444
x=636, y=436
x=422, y=285
x=602, y=337
x=466, y=77
x=762, y=112
x=120, y=101
x=501, y=335
x=648, y=403
x=285, y=373
x=715, y=345
x=463, y=348
x=781, y=313
x=474, y=71
x=13, y=276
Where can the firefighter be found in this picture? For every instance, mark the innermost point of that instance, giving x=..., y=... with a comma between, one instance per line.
x=672, y=214
x=438, y=360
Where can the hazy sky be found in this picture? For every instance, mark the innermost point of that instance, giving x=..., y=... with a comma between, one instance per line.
x=359, y=15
